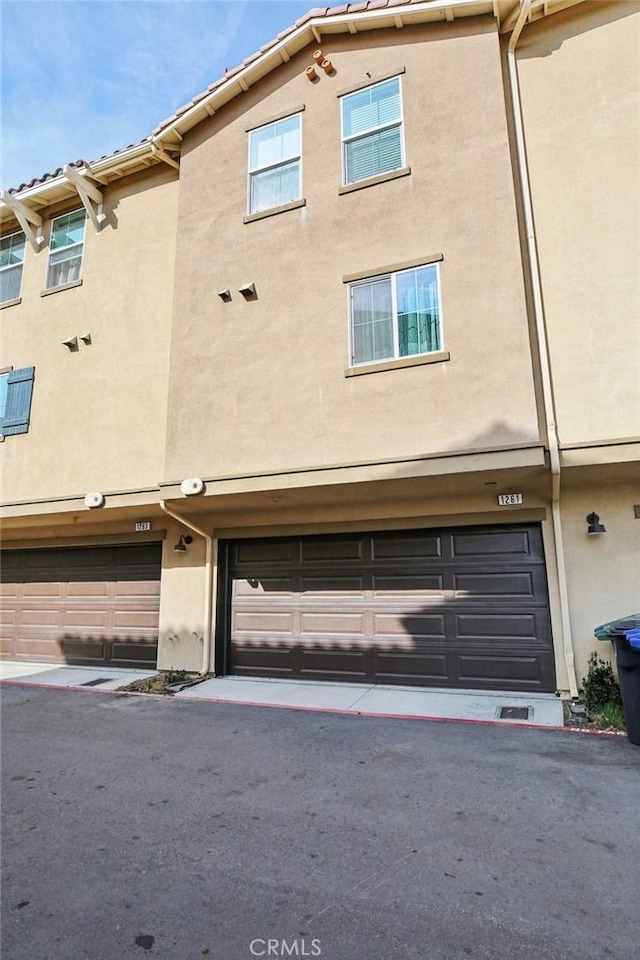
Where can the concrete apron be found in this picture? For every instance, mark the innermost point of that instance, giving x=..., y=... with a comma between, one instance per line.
x=358, y=699
x=61, y=675
x=541, y=709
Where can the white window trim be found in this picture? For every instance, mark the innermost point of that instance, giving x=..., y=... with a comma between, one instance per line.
x=71, y=246
x=365, y=133
x=352, y=365
x=274, y=166
x=13, y=266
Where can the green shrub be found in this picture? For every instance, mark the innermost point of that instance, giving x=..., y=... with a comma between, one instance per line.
x=600, y=687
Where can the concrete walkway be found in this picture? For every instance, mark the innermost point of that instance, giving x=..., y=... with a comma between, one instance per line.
x=57, y=675
x=357, y=698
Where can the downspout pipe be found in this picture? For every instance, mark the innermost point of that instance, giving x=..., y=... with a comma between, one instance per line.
x=209, y=592
x=543, y=349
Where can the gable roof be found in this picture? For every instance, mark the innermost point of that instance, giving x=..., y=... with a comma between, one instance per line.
x=164, y=143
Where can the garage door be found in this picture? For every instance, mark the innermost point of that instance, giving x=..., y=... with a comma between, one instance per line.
x=463, y=607
x=82, y=604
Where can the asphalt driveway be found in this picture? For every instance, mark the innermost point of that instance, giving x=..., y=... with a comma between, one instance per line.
x=145, y=827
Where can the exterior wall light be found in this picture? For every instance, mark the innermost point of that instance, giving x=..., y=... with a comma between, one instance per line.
x=183, y=543
x=595, y=526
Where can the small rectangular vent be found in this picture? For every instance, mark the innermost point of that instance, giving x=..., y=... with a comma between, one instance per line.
x=515, y=713
x=96, y=682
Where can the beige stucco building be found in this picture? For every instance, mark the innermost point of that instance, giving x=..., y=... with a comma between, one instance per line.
x=358, y=329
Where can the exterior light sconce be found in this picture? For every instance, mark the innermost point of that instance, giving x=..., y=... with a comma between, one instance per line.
x=225, y=295
x=94, y=500
x=248, y=291
x=183, y=543
x=595, y=527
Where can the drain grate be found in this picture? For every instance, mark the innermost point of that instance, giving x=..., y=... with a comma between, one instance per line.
x=96, y=682
x=515, y=713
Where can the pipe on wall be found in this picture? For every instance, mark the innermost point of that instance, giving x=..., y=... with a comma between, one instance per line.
x=543, y=348
x=209, y=592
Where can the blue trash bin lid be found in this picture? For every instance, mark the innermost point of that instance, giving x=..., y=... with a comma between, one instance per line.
x=633, y=636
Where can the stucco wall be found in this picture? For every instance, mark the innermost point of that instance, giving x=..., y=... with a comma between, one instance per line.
x=98, y=415
x=260, y=385
x=580, y=86
x=603, y=572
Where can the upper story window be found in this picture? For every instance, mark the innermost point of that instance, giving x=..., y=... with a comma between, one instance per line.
x=16, y=389
x=372, y=140
x=274, y=164
x=11, y=260
x=395, y=315
x=65, y=248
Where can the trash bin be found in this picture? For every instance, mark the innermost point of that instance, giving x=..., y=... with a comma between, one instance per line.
x=624, y=634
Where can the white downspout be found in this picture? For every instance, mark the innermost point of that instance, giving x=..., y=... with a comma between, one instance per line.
x=543, y=350
x=209, y=592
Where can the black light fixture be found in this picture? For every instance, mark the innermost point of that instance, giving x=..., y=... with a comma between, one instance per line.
x=183, y=543
x=595, y=526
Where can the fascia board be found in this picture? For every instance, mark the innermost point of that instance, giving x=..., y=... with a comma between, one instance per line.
x=308, y=33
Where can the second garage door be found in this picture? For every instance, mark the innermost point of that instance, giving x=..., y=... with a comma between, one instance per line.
x=462, y=607
x=82, y=604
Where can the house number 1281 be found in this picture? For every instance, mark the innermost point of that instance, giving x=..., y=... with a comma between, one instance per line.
x=507, y=499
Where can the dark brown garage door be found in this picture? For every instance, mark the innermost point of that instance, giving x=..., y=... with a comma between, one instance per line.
x=463, y=607
x=82, y=604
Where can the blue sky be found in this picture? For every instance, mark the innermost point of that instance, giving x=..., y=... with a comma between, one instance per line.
x=81, y=78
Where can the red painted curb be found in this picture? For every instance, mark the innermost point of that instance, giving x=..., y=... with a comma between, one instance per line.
x=339, y=710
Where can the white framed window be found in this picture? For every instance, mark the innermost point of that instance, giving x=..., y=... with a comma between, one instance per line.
x=372, y=134
x=275, y=164
x=65, y=248
x=11, y=261
x=395, y=315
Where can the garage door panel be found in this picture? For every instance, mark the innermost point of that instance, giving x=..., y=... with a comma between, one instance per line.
x=431, y=586
x=135, y=620
x=87, y=619
x=513, y=671
x=282, y=587
x=79, y=605
x=406, y=546
x=262, y=622
x=461, y=607
x=338, y=549
x=264, y=551
x=37, y=590
x=135, y=590
x=514, y=543
x=346, y=586
x=430, y=669
x=328, y=625
x=87, y=591
x=416, y=625
x=476, y=585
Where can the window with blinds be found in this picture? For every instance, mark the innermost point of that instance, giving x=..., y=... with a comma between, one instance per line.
x=372, y=141
x=396, y=315
x=11, y=260
x=65, y=248
x=274, y=164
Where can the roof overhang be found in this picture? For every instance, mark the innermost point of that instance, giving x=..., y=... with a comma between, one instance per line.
x=163, y=145
x=290, y=42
